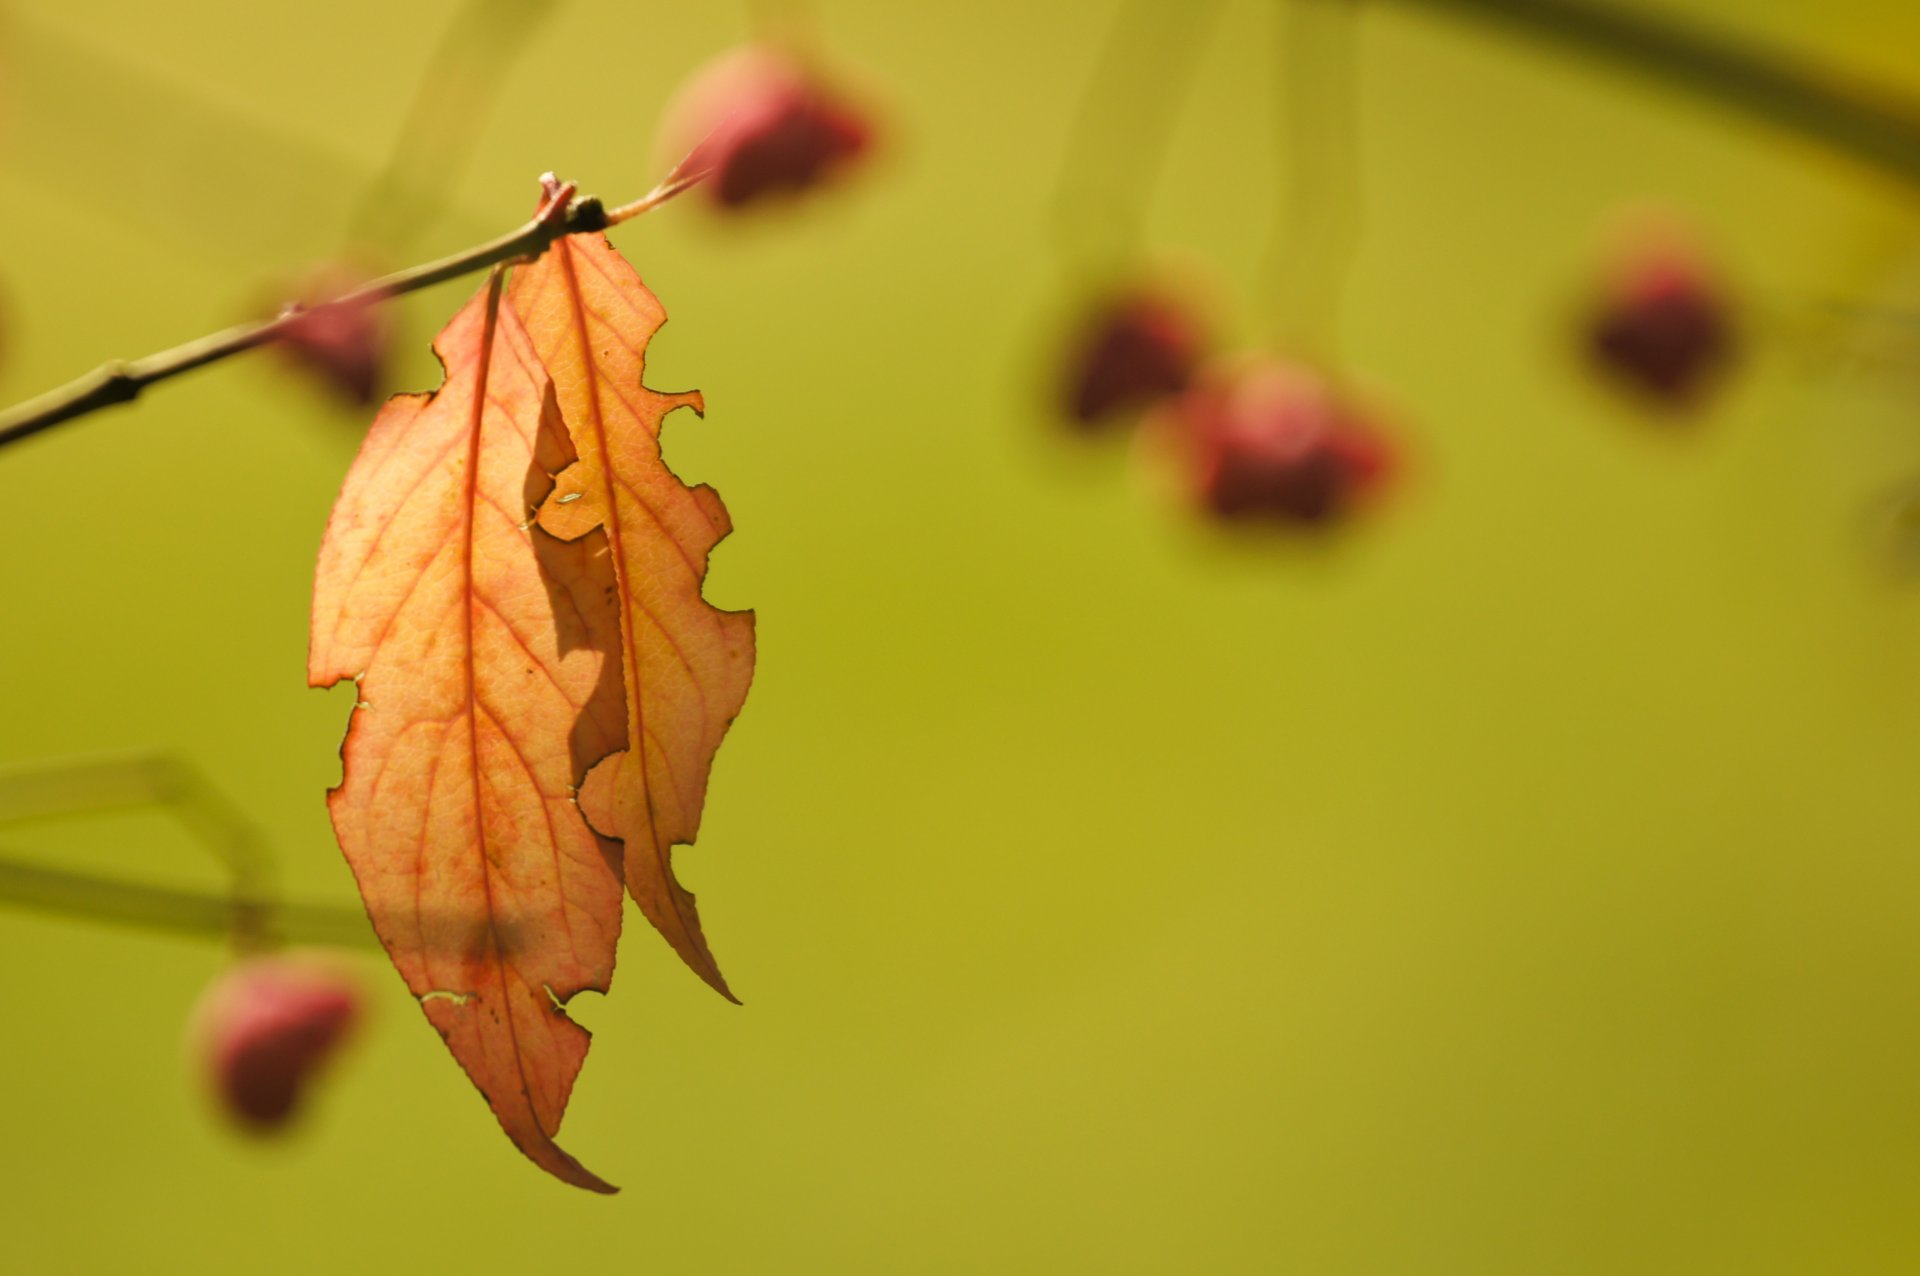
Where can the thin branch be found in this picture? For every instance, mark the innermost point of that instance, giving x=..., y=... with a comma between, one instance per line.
x=1121, y=129
x=96, y=786
x=189, y=912
x=684, y=177
x=1144, y=66
x=477, y=47
x=1873, y=125
x=249, y=913
x=122, y=381
x=1876, y=127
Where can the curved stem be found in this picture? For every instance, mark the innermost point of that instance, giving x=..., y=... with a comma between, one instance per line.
x=189, y=912
x=684, y=177
x=1121, y=129
x=463, y=76
x=248, y=912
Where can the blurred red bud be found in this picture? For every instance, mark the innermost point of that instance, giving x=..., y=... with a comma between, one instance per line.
x=1132, y=351
x=344, y=346
x=764, y=124
x=1663, y=329
x=1274, y=442
x=265, y=1027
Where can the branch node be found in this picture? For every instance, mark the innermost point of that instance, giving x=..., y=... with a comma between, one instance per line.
x=587, y=213
x=117, y=382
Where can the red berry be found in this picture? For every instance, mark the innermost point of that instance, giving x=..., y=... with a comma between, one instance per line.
x=1133, y=351
x=1273, y=442
x=1664, y=330
x=344, y=346
x=765, y=125
x=264, y=1028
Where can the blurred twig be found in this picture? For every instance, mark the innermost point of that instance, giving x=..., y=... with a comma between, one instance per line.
x=1125, y=116
x=122, y=141
x=249, y=912
x=472, y=58
x=160, y=908
x=1877, y=126
x=1120, y=132
x=113, y=784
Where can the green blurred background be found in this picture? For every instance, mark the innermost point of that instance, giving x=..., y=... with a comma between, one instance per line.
x=1526, y=885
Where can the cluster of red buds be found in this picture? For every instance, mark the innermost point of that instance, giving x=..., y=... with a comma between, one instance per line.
x=1263, y=441
x=1273, y=441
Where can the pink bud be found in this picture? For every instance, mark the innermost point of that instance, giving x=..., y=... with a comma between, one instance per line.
x=344, y=346
x=265, y=1027
x=1273, y=442
x=1662, y=329
x=1133, y=350
x=764, y=124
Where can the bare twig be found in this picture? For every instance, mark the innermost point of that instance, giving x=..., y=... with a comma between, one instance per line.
x=190, y=912
x=95, y=786
x=249, y=913
x=1120, y=132
x=1124, y=115
x=122, y=381
x=478, y=46
x=685, y=176
x=1876, y=126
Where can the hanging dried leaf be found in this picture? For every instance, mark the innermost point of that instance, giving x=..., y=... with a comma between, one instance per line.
x=685, y=664
x=479, y=645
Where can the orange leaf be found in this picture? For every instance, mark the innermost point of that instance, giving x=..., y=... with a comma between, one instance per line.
x=685, y=664
x=479, y=645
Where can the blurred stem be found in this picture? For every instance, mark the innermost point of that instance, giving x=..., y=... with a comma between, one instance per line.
x=1120, y=132
x=114, y=784
x=249, y=913
x=1311, y=251
x=122, y=381
x=1125, y=117
x=189, y=912
x=1873, y=126
x=475, y=51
